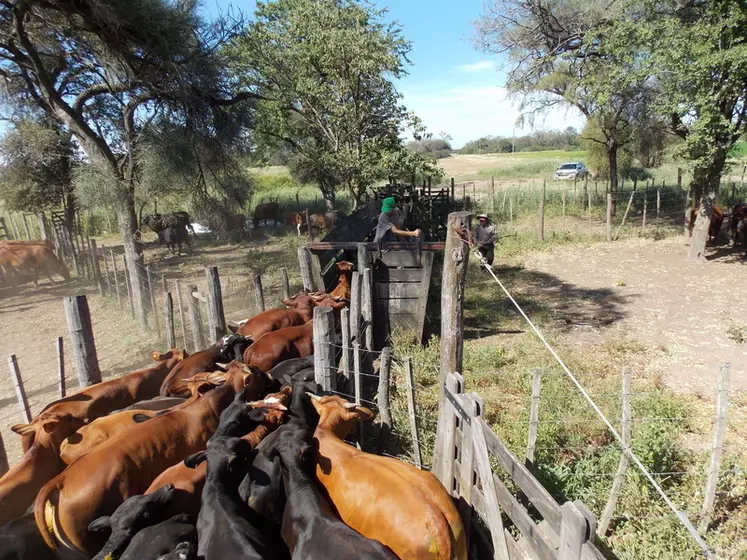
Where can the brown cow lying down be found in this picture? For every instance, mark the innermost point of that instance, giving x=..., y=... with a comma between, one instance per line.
x=412, y=514
x=188, y=481
x=102, y=398
x=97, y=483
x=35, y=256
x=19, y=486
x=107, y=427
x=228, y=348
x=293, y=342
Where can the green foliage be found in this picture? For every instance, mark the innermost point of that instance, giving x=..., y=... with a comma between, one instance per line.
x=567, y=139
x=323, y=70
x=38, y=157
x=436, y=147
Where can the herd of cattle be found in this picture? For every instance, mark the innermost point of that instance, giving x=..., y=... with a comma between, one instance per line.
x=198, y=458
x=737, y=223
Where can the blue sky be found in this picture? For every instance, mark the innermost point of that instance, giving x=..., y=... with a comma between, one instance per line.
x=451, y=86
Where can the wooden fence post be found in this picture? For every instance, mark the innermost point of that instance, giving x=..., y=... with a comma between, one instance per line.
x=44, y=227
x=182, y=319
x=168, y=319
x=625, y=216
x=622, y=466
x=81, y=340
x=96, y=268
x=116, y=277
x=645, y=209
x=149, y=277
x=347, y=350
x=454, y=275
x=542, y=212
x=216, y=317
x=367, y=309
x=355, y=306
x=589, y=195
x=106, y=270
x=127, y=281
x=259, y=296
x=285, y=283
x=324, y=328
x=61, y=366
x=658, y=205
x=573, y=530
x=195, y=319
x=385, y=414
x=26, y=227
x=316, y=273
x=533, y=418
x=358, y=385
x=23, y=402
x=495, y=523
x=719, y=427
x=304, y=261
x=609, y=216
x=412, y=411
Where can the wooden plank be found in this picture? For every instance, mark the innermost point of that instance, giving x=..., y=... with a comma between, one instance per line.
x=397, y=306
x=406, y=321
x=412, y=411
x=23, y=401
x=537, y=494
x=533, y=418
x=398, y=290
x=402, y=258
x=444, y=469
x=61, y=366
x=495, y=523
x=466, y=474
x=573, y=532
x=425, y=286
x=324, y=328
x=404, y=275
x=216, y=316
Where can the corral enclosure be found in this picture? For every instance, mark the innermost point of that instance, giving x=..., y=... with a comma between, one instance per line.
x=601, y=321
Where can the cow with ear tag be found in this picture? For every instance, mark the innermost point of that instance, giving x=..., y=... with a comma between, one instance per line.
x=41, y=463
x=413, y=513
x=183, y=551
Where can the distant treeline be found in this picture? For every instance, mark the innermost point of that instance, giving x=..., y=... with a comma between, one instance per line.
x=567, y=139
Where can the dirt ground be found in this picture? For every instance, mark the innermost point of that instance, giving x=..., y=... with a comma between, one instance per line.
x=660, y=298
x=685, y=308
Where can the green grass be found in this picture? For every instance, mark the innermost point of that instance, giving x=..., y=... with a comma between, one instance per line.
x=739, y=150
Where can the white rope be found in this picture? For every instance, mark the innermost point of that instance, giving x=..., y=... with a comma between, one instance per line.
x=628, y=451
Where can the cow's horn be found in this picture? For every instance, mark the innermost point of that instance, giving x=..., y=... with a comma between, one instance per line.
x=224, y=367
x=313, y=396
x=350, y=405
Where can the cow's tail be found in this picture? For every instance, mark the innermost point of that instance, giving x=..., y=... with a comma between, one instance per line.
x=45, y=514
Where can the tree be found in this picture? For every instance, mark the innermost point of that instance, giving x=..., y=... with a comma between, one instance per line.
x=570, y=53
x=324, y=69
x=104, y=69
x=699, y=56
x=38, y=157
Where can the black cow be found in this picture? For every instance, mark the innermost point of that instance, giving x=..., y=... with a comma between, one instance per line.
x=154, y=541
x=287, y=371
x=226, y=526
x=183, y=551
x=174, y=236
x=20, y=540
x=310, y=527
x=134, y=514
x=159, y=222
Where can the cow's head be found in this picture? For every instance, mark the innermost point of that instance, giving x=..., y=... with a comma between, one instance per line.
x=345, y=266
x=301, y=300
x=249, y=379
x=51, y=427
x=338, y=415
x=232, y=346
x=228, y=458
x=177, y=354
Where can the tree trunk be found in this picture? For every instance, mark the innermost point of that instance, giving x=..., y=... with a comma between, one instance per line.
x=133, y=249
x=612, y=160
x=703, y=188
x=328, y=193
x=700, y=230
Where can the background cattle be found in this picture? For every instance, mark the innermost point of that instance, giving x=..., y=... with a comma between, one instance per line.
x=159, y=222
x=318, y=222
x=265, y=212
x=738, y=213
x=174, y=237
x=30, y=256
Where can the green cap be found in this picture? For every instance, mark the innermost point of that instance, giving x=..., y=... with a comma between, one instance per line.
x=388, y=204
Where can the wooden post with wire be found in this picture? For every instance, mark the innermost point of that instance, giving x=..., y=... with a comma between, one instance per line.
x=82, y=341
x=385, y=414
x=719, y=428
x=23, y=401
x=304, y=262
x=96, y=269
x=116, y=277
x=149, y=278
x=61, y=366
x=625, y=216
x=589, y=195
x=216, y=316
x=285, y=284
x=347, y=349
x=195, y=319
x=106, y=270
x=168, y=319
x=609, y=216
x=357, y=359
x=367, y=309
x=454, y=275
x=542, y=211
x=182, y=319
x=645, y=209
x=412, y=411
x=324, y=328
x=355, y=306
x=533, y=418
x=127, y=280
x=259, y=296
x=617, y=483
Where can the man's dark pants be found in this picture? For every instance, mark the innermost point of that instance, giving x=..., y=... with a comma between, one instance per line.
x=488, y=251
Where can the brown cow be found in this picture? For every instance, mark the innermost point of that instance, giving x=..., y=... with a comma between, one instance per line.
x=97, y=483
x=342, y=290
x=188, y=481
x=226, y=349
x=266, y=211
x=738, y=213
x=326, y=221
x=19, y=486
x=277, y=346
x=274, y=319
x=412, y=514
x=107, y=427
x=717, y=220
x=22, y=256
x=100, y=399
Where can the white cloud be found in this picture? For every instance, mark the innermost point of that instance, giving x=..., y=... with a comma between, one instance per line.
x=469, y=112
x=481, y=66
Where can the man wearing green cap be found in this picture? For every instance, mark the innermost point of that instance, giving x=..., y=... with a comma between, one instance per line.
x=385, y=228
